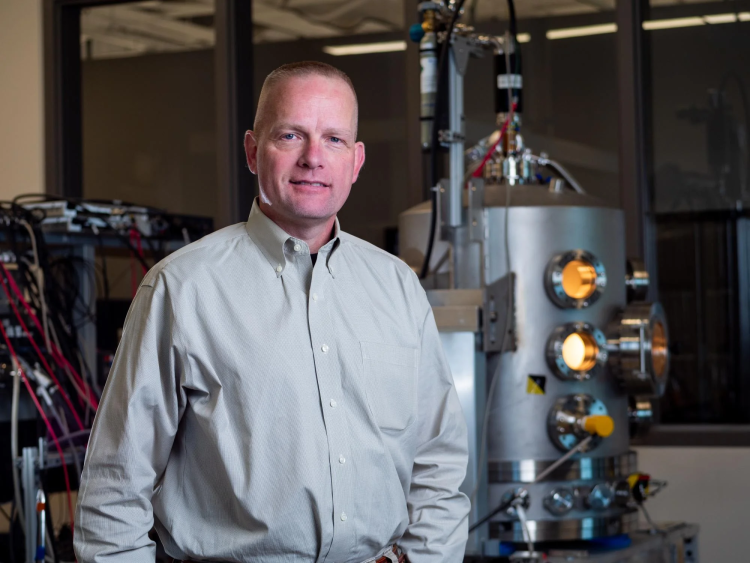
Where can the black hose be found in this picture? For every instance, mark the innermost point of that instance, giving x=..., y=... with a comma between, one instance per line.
x=512, y=17
x=442, y=66
x=503, y=506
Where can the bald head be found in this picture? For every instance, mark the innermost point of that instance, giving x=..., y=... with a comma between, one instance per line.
x=272, y=86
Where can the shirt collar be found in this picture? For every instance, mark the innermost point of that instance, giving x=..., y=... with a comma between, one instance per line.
x=271, y=239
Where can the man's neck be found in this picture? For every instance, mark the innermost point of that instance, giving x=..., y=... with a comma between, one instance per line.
x=315, y=235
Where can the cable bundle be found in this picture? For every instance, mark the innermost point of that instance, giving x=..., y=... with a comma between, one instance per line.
x=39, y=328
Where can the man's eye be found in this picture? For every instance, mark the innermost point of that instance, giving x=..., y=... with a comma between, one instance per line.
x=288, y=136
x=335, y=139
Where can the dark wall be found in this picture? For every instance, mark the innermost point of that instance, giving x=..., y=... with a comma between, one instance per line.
x=149, y=131
x=687, y=63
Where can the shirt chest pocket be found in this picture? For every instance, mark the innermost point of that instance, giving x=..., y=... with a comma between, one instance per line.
x=390, y=374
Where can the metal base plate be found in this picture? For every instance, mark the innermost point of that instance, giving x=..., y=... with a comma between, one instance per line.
x=677, y=542
x=563, y=530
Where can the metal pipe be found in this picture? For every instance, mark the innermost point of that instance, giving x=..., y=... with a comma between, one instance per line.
x=557, y=167
x=456, y=150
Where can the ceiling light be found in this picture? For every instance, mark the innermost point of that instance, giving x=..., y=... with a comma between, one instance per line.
x=365, y=48
x=523, y=37
x=744, y=16
x=721, y=18
x=582, y=31
x=673, y=23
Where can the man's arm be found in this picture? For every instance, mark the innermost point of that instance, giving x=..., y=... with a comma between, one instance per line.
x=438, y=512
x=131, y=439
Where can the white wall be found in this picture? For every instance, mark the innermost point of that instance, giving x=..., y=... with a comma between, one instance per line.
x=21, y=98
x=708, y=487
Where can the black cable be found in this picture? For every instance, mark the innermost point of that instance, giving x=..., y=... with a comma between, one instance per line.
x=132, y=248
x=503, y=506
x=11, y=543
x=434, y=142
x=105, y=274
x=513, y=22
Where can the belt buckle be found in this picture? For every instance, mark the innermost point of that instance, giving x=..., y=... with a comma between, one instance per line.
x=391, y=555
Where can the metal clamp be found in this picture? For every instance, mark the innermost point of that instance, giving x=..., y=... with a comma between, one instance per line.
x=424, y=6
x=448, y=136
x=499, y=315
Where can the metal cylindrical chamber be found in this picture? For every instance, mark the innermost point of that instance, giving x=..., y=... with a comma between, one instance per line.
x=545, y=233
x=567, y=257
x=536, y=235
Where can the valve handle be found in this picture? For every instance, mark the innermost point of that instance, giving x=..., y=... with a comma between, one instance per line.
x=599, y=424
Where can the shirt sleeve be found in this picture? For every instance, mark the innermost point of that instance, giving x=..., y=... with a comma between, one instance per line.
x=131, y=439
x=438, y=512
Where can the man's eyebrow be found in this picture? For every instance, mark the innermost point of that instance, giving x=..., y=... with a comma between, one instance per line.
x=336, y=131
x=286, y=125
x=339, y=131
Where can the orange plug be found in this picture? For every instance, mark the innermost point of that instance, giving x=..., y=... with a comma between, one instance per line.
x=599, y=424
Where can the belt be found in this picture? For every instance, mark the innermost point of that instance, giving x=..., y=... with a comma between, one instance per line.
x=393, y=555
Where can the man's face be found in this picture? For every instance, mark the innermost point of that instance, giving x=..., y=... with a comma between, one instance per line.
x=306, y=155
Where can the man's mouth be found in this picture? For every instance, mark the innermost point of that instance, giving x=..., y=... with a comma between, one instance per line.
x=308, y=183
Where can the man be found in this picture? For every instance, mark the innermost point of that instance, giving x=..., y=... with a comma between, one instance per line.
x=280, y=393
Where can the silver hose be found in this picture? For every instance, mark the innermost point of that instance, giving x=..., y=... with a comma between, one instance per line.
x=557, y=167
x=521, y=512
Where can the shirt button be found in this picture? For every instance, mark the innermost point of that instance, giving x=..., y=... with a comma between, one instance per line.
x=333, y=403
x=297, y=248
x=315, y=296
x=342, y=460
x=324, y=348
x=279, y=268
x=343, y=516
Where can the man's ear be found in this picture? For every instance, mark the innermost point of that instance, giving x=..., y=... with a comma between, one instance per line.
x=359, y=159
x=251, y=151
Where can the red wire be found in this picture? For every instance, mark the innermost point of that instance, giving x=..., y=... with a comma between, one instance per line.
x=478, y=172
x=135, y=240
x=45, y=419
x=41, y=356
x=137, y=235
x=133, y=274
x=56, y=353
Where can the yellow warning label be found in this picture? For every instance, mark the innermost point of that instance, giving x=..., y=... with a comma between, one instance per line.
x=536, y=384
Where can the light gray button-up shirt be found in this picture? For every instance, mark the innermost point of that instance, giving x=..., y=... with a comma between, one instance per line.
x=262, y=409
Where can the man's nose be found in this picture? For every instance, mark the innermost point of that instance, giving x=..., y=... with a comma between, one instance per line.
x=312, y=156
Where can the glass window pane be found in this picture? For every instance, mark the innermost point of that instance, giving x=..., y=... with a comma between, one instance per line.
x=149, y=105
x=700, y=81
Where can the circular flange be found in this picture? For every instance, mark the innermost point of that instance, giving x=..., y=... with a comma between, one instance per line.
x=575, y=279
x=580, y=344
x=563, y=422
x=586, y=469
x=640, y=416
x=642, y=362
x=568, y=529
x=559, y=502
x=600, y=497
x=636, y=280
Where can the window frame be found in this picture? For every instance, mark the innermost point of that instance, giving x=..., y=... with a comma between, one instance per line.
x=233, y=56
